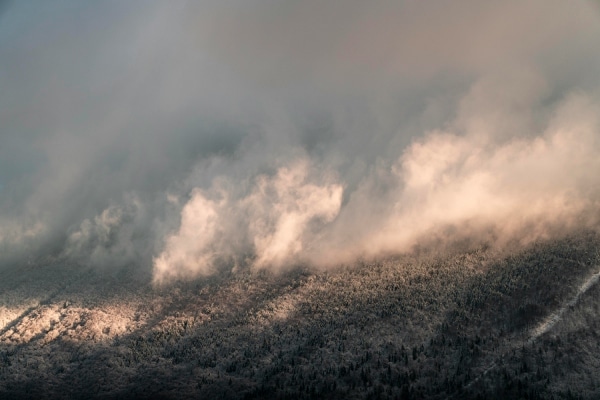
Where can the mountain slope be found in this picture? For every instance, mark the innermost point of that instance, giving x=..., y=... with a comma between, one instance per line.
x=422, y=326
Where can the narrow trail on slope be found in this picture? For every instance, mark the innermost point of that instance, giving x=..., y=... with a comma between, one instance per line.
x=547, y=324
x=556, y=316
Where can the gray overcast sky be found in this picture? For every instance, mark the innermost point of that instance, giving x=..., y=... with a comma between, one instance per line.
x=115, y=116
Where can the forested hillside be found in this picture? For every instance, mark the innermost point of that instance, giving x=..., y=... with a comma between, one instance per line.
x=429, y=325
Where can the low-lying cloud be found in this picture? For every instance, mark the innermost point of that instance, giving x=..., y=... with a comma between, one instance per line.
x=191, y=138
x=274, y=225
x=443, y=189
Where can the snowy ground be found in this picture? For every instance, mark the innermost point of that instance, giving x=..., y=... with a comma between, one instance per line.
x=473, y=323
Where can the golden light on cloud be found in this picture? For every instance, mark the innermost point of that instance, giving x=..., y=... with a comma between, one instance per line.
x=198, y=138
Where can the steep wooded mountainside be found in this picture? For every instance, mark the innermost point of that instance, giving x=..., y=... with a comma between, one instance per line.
x=479, y=323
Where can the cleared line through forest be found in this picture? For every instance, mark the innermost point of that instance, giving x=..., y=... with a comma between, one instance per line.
x=547, y=324
x=556, y=316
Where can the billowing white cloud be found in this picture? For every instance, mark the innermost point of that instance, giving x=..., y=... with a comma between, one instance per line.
x=193, y=137
x=443, y=189
x=447, y=187
x=273, y=226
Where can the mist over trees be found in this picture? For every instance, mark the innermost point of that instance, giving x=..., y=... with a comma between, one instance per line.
x=299, y=199
x=194, y=138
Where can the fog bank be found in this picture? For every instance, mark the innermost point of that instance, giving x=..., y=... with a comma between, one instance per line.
x=188, y=138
